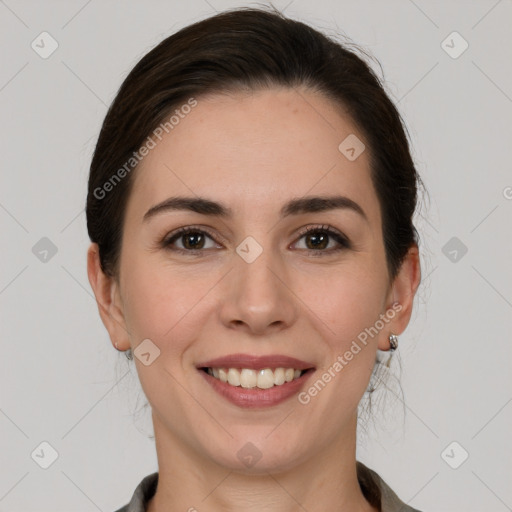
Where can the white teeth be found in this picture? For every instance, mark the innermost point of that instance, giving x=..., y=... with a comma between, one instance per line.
x=248, y=378
x=279, y=376
x=223, y=375
x=266, y=379
x=234, y=377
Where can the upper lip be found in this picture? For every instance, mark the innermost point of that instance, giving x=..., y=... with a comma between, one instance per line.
x=256, y=362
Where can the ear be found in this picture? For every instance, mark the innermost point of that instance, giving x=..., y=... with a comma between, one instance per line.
x=402, y=291
x=108, y=298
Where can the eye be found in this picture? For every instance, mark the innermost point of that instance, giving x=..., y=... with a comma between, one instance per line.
x=317, y=239
x=193, y=240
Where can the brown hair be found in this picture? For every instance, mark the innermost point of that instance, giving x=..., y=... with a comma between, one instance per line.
x=248, y=48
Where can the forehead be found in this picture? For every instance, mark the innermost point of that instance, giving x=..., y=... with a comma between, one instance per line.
x=255, y=149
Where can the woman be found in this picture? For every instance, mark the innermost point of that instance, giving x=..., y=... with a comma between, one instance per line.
x=250, y=210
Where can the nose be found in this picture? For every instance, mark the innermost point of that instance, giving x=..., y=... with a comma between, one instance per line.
x=258, y=296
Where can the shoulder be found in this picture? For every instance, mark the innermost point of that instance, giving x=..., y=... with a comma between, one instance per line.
x=142, y=494
x=378, y=492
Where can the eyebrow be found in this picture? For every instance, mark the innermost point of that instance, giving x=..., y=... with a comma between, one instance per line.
x=309, y=204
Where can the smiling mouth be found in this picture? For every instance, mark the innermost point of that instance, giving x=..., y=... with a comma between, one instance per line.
x=248, y=378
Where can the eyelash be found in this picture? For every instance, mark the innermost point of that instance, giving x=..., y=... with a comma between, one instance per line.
x=326, y=229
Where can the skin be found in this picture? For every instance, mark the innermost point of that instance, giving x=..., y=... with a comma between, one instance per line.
x=242, y=150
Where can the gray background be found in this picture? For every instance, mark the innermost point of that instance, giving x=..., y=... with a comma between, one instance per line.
x=62, y=382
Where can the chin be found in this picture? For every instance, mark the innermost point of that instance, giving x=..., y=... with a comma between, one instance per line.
x=259, y=456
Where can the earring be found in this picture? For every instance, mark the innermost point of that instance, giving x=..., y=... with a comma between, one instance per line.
x=393, y=342
x=127, y=353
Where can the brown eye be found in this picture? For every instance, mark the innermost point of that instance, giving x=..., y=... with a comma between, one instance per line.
x=190, y=239
x=193, y=240
x=318, y=238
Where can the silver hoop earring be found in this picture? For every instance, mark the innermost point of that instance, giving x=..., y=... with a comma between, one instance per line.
x=129, y=354
x=393, y=342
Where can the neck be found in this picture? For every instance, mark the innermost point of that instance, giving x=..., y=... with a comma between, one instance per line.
x=187, y=482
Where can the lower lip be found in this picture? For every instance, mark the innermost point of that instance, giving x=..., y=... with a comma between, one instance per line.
x=256, y=397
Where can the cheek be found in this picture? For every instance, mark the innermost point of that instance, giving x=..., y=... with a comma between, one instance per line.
x=347, y=301
x=166, y=306
x=351, y=307
x=153, y=303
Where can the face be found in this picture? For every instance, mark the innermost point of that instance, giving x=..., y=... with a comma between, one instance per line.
x=250, y=288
